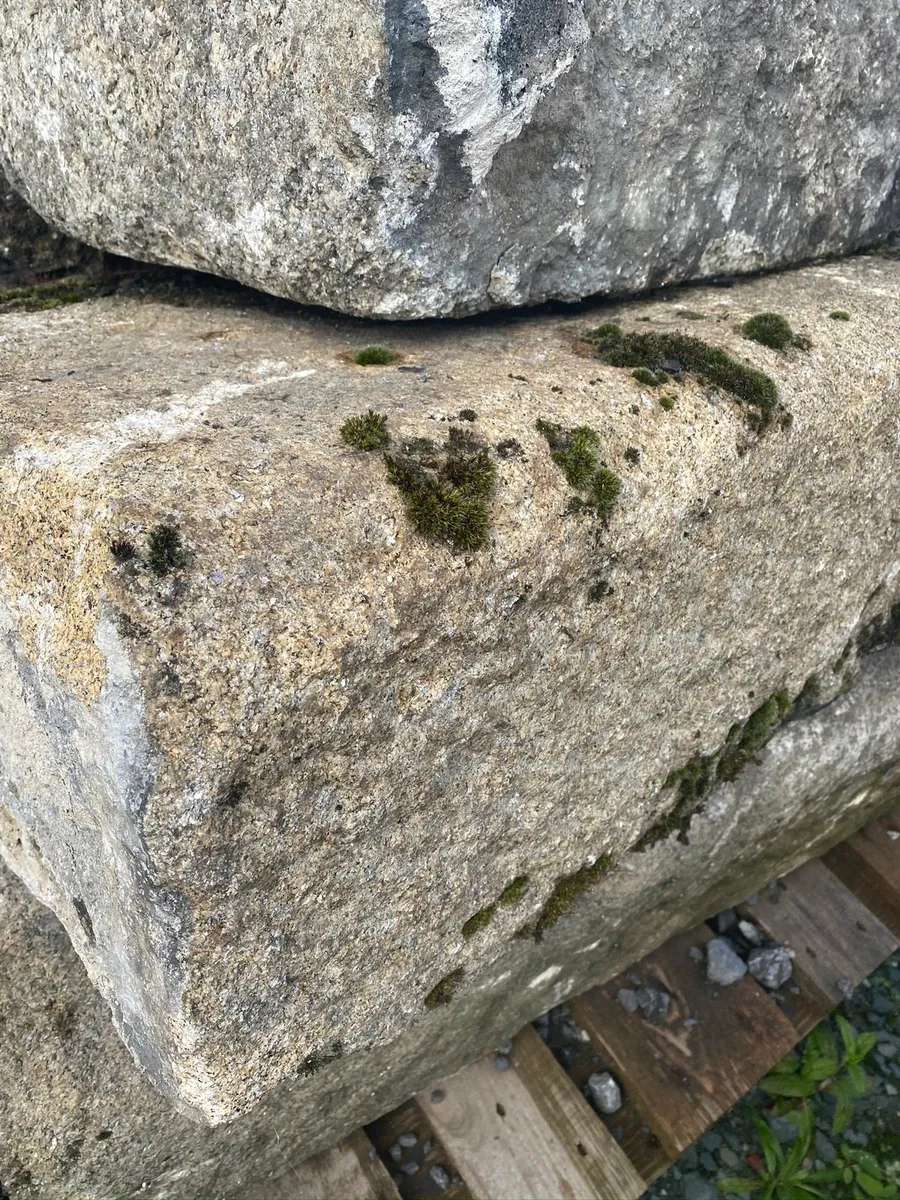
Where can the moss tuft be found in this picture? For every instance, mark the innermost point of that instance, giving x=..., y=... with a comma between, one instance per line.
x=513, y=892
x=632, y=456
x=599, y=591
x=44, y=296
x=447, y=498
x=468, y=414
x=479, y=921
x=748, y=738
x=650, y=378
x=510, y=448
x=667, y=403
x=122, y=550
x=769, y=329
x=166, y=552
x=575, y=452
x=609, y=331
x=368, y=431
x=315, y=1062
x=442, y=993
x=566, y=891
x=678, y=352
x=840, y=314
x=375, y=356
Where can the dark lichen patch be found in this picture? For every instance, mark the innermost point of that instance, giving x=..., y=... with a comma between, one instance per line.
x=165, y=550
x=769, y=329
x=513, y=892
x=234, y=794
x=565, y=892
x=883, y=631
x=695, y=779
x=632, y=456
x=478, y=921
x=367, y=431
x=510, y=448
x=599, y=591
x=676, y=353
x=468, y=414
x=447, y=494
x=375, y=356
x=577, y=453
x=443, y=992
x=84, y=919
x=43, y=296
x=667, y=403
x=840, y=314
x=315, y=1062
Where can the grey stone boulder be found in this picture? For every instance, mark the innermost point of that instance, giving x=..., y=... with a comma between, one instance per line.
x=338, y=768
x=605, y=1092
x=724, y=965
x=405, y=158
x=771, y=966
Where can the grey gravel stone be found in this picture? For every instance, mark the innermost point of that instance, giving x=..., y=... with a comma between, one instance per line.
x=440, y=1177
x=462, y=156
x=783, y=1128
x=505, y=1048
x=501, y=1063
x=438, y=1095
x=771, y=966
x=752, y=933
x=410, y=1168
x=725, y=920
x=728, y=1158
x=396, y=1152
x=605, y=1092
x=628, y=999
x=696, y=953
x=653, y=1003
x=408, y=1140
x=723, y=964
x=695, y=1187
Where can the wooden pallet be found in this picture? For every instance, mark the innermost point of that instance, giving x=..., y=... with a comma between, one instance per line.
x=527, y=1132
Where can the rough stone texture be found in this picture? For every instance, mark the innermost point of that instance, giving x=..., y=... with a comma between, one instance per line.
x=414, y=157
x=723, y=964
x=265, y=792
x=771, y=967
x=30, y=249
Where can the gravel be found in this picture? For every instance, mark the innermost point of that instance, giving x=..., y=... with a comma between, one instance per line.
x=771, y=967
x=628, y=999
x=440, y=1177
x=605, y=1092
x=723, y=964
x=653, y=1003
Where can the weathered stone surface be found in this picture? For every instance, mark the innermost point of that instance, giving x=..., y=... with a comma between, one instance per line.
x=414, y=157
x=267, y=771
x=29, y=248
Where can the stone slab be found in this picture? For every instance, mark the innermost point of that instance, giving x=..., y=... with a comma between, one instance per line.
x=403, y=158
x=275, y=759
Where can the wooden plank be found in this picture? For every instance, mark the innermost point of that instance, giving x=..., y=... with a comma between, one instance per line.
x=869, y=865
x=527, y=1132
x=836, y=940
x=683, y=1077
x=428, y=1152
x=351, y=1170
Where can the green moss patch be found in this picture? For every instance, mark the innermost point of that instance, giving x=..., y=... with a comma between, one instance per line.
x=55, y=294
x=632, y=456
x=769, y=329
x=368, y=431
x=375, y=356
x=676, y=353
x=667, y=403
x=315, y=1062
x=479, y=921
x=650, y=378
x=442, y=993
x=695, y=779
x=577, y=453
x=565, y=892
x=165, y=552
x=513, y=892
x=447, y=495
x=840, y=314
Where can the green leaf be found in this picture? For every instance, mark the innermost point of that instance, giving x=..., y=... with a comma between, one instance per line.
x=844, y=1097
x=831, y=1175
x=865, y=1044
x=820, y=1050
x=848, y=1033
x=789, y=1065
x=858, y=1081
x=867, y=1161
x=771, y=1149
x=801, y=1147
x=788, y=1085
x=870, y=1185
x=739, y=1187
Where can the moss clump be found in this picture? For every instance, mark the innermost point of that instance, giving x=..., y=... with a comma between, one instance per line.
x=696, y=777
x=678, y=352
x=632, y=456
x=513, y=892
x=840, y=314
x=44, y=296
x=650, y=378
x=576, y=453
x=468, y=414
x=315, y=1062
x=510, y=448
x=667, y=403
x=368, y=431
x=375, y=356
x=122, y=550
x=479, y=921
x=603, y=333
x=447, y=496
x=769, y=329
x=166, y=552
x=442, y=993
x=565, y=892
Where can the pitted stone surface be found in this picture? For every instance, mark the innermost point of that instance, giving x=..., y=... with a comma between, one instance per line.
x=418, y=157
x=265, y=791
